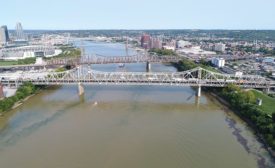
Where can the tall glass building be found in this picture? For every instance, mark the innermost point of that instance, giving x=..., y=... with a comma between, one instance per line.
x=6, y=32
x=19, y=31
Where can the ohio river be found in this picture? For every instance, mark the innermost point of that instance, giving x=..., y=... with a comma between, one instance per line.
x=126, y=127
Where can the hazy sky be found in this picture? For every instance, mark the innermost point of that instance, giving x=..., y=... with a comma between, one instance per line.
x=139, y=14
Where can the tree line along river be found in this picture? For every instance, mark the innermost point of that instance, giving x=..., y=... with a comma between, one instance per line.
x=126, y=126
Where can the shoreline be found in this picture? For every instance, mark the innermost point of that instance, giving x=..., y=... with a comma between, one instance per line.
x=18, y=104
x=21, y=102
x=249, y=123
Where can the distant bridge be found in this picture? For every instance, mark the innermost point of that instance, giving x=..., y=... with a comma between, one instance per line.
x=100, y=59
x=195, y=77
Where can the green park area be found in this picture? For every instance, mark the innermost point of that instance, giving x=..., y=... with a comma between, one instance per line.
x=18, y=62
x=268, y=103
x=7, y=63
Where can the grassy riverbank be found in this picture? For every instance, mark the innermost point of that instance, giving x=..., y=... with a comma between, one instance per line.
x=22, y=92
x=268, y=105
x=244, y=103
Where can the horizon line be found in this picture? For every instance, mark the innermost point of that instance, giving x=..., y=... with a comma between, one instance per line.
x=153, y=29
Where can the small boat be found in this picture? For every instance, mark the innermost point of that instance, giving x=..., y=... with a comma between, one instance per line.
x=121, y=65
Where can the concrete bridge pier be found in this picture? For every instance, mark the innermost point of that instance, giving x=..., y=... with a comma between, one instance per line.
x=266, y=90
x=80, y=89
x=148, y=66
x=197, y=101
x=89, y=67
x=199, y=91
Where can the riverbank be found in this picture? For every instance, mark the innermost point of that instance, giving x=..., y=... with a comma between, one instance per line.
x=267, y=101
x=242, y=103
x=22, y=94
x=17, y=104
x=21, y=102
x=248, y=122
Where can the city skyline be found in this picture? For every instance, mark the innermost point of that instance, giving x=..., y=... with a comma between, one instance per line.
x=122, y=14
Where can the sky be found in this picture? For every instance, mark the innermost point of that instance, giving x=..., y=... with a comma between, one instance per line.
x=138, y=14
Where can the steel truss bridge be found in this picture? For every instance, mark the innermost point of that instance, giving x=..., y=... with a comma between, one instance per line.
x=195, y=77
x=100, y=59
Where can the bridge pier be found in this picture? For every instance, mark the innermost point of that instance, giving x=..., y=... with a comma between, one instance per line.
x=199, y=91
x=148, y=66
x=197, y=101
x=267, y=90
x=80, y=89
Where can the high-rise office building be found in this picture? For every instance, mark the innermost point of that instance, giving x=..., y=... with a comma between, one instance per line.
x=145, y=41
x=19, y=31
x=2, y=35
x=155, y=43
x=6, y=33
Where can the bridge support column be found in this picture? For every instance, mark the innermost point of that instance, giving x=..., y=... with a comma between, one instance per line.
x=267, y=90
x=197, y=101
x=148, y=66
x=199, y=91
x=89, y=67
x=80, y=89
